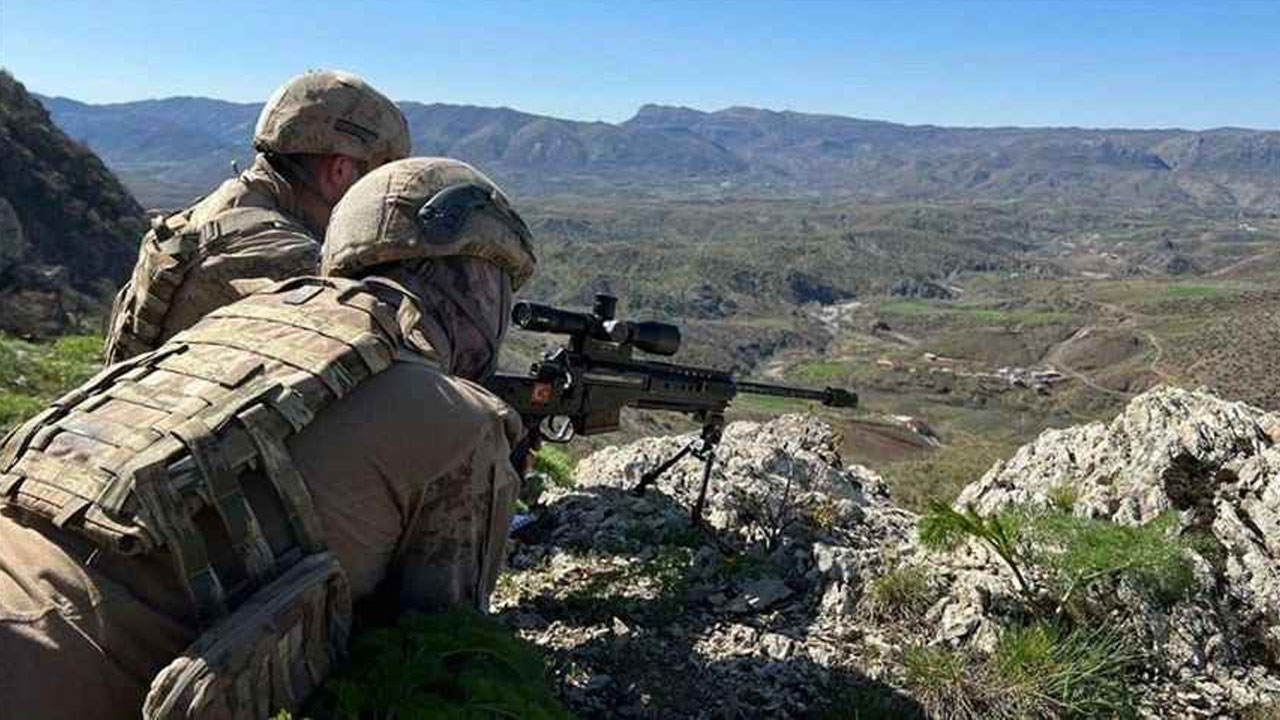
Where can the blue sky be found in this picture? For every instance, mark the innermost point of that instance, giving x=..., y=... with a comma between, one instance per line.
x=1114, y=64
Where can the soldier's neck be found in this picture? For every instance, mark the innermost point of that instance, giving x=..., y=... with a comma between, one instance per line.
x=313, y=211
x=422, y=327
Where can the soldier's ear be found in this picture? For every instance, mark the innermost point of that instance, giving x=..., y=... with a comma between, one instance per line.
x=337, y=174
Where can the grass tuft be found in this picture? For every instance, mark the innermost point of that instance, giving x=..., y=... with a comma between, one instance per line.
x=902, y=594
x=1083, y=551
x=1038, y=670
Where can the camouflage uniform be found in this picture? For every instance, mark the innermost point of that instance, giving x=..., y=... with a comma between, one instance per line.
x=351, y=386
x=192, y=262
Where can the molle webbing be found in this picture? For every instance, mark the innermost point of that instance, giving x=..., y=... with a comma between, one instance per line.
x=152, y=450
x=168, y=252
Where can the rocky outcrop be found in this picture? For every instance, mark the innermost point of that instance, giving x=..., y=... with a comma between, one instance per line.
x=68, y=229
x=653, y=617
x=1213, y=462
x=771, y=608
x=920, y=288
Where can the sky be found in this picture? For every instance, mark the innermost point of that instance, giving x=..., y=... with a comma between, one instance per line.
x=958, y=62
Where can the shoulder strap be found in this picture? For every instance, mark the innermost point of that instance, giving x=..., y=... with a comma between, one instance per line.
x=239, y=222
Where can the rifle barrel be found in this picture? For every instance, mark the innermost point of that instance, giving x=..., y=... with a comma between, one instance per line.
x=831, y=397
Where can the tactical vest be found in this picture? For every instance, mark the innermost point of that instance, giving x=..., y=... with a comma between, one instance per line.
x=183, y=448
x=169, y=250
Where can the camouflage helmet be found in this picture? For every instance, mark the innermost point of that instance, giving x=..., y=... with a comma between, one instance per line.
x=423, y=208
x=326, y=112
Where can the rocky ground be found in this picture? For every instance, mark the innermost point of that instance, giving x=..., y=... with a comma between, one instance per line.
x=771, y=609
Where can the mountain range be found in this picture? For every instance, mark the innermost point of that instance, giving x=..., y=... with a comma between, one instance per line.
x=169, y=150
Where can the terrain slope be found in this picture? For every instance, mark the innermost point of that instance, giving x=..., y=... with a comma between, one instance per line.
x=68, y=228
x=1134, y=575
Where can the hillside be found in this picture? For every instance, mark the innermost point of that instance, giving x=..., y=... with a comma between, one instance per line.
x=827, y=250
x=172, y=149
x=68, y=228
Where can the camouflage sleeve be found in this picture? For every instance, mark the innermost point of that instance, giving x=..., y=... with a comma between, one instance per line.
x=455, y=544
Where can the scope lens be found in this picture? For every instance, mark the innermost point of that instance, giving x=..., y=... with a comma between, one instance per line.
x=522, y=314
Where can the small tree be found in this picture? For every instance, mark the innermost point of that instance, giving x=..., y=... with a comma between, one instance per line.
x=945, y=528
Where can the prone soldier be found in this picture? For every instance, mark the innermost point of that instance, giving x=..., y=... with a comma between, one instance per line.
x=186, y=532
x=315, y=137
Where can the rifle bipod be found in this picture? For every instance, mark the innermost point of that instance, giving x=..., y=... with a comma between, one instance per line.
x=703, y=448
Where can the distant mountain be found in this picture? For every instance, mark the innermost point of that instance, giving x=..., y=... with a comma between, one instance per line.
x=169, y=150
x=68, y=228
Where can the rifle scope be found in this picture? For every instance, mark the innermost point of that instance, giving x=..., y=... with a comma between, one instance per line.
x=652, y=337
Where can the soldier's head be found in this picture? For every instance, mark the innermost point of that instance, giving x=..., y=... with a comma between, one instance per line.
x=447, y=231
x=325, y=129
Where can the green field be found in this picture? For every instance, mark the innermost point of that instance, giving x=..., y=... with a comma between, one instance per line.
x=32, y=374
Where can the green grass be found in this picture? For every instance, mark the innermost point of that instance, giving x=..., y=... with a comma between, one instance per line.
x=551, y=466
x=456, y=664
x=1061, y=561
x=815, y=371
x=944, y=681
x=1044, y=671
x=1188, y=290
x=941, y=475
x=1035, y=671
x=974, y=314
x=1082, y=551
x=1146, y=292
x=901, y=594
x=32, y=374
x=913, y=308
x=556, y=465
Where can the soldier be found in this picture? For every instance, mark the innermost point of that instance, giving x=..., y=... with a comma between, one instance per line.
x=232, y=492
x=315, y=137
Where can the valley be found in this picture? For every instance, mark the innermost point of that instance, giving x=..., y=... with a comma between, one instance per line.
x=965, y=328
x=974, y=286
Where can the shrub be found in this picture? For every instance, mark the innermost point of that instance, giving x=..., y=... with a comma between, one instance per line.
x=945, y=528
x=551, y=466
x=1064, y=497
x=555, y=464
x=1061, y=557
x=1083, y=551
x=456, y=664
